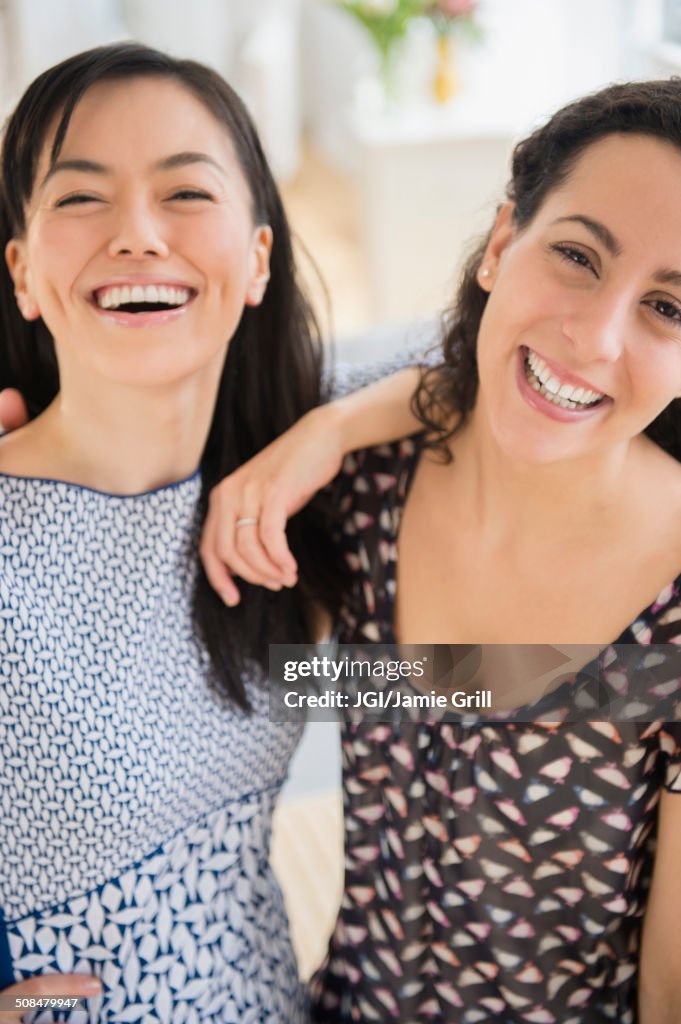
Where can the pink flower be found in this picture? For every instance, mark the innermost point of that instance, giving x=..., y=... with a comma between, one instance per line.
x=456, y=8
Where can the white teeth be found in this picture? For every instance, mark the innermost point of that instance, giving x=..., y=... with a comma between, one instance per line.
x=568, y=397
x=538, y=365
x=112, y=298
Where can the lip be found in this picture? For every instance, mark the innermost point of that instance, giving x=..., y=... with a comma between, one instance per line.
x=155, y=318
x=550, y=409
x=564, y=376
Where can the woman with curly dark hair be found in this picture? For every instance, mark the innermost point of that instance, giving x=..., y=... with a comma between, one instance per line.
x=524, y=869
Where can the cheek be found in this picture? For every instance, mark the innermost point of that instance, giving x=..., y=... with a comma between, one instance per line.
x=220, y=249
x=57, y=256
x=656, y=375
x=520, y=303
x=220, y=258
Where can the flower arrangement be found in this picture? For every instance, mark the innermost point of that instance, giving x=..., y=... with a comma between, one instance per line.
x=449, y=16
x=452, y=14
x=387, y=22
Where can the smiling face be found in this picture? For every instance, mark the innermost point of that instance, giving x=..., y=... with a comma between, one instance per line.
x=579, y=346
x=140, y=249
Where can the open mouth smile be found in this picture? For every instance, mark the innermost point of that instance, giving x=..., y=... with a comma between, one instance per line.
x=551, y=393
x=140, y=304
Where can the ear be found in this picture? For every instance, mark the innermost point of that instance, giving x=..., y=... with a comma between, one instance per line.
x=260, y=269
x=15, y=257
x=502, y=235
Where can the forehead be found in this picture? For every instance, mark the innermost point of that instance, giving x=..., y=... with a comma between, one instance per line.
x=141, y=118
x=631, y=178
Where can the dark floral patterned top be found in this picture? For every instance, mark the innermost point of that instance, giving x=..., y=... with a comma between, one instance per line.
x=494, y=872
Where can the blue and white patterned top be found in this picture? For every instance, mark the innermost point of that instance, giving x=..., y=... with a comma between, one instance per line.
x=135, y=806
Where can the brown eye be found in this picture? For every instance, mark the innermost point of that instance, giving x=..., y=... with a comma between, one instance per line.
x=78, y=199
x=666, y=309
x=570, y=254
x=184, y=194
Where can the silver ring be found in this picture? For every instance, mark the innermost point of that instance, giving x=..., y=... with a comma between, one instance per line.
x=248, y=521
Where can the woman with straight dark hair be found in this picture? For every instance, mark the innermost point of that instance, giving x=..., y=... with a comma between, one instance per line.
x=151, y=317
x=524, y=867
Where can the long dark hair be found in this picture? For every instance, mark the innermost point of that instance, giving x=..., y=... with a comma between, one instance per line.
x=273, y=367
x=541, y=163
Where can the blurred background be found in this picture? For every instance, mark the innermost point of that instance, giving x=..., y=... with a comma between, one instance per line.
x=384, y=182
x=389, y=125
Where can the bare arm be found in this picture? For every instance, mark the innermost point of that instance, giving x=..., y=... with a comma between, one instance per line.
x=282, y=478
x=660, y=963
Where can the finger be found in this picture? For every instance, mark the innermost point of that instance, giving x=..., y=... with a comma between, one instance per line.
x=273, y=538
x=222, y=543
x=238, y=566
x=246, y=540
x=248, y=545
x=217, y=572
x=57, y=985
x=75, y=986
x=13, y=411
x=219, y=547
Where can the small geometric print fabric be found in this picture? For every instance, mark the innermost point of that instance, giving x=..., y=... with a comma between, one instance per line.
x=135, y=805
x=494, y=872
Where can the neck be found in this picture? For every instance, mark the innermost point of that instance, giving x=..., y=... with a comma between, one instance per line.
x=520, y=504
x=123, y=439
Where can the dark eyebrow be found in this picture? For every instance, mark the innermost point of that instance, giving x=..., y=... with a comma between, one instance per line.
x=168, y=163
x=603, y=234
x=672, y=277
x=184, y=159
x=89, y=166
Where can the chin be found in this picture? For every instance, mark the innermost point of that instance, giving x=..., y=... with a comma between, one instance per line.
x=520, y=443
x=159, y=366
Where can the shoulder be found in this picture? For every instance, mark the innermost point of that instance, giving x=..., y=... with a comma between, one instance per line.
x=24, y=452
x=654, y=544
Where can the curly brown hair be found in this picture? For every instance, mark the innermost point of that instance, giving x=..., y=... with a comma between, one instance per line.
x=447, y=391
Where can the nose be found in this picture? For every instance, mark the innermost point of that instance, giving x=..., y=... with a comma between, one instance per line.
x=137, y=233
x=598, y=328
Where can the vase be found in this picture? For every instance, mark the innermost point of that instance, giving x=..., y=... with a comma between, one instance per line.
x=389, y=61
x=445, y=81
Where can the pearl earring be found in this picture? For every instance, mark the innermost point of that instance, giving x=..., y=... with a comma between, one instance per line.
x=485, y=272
